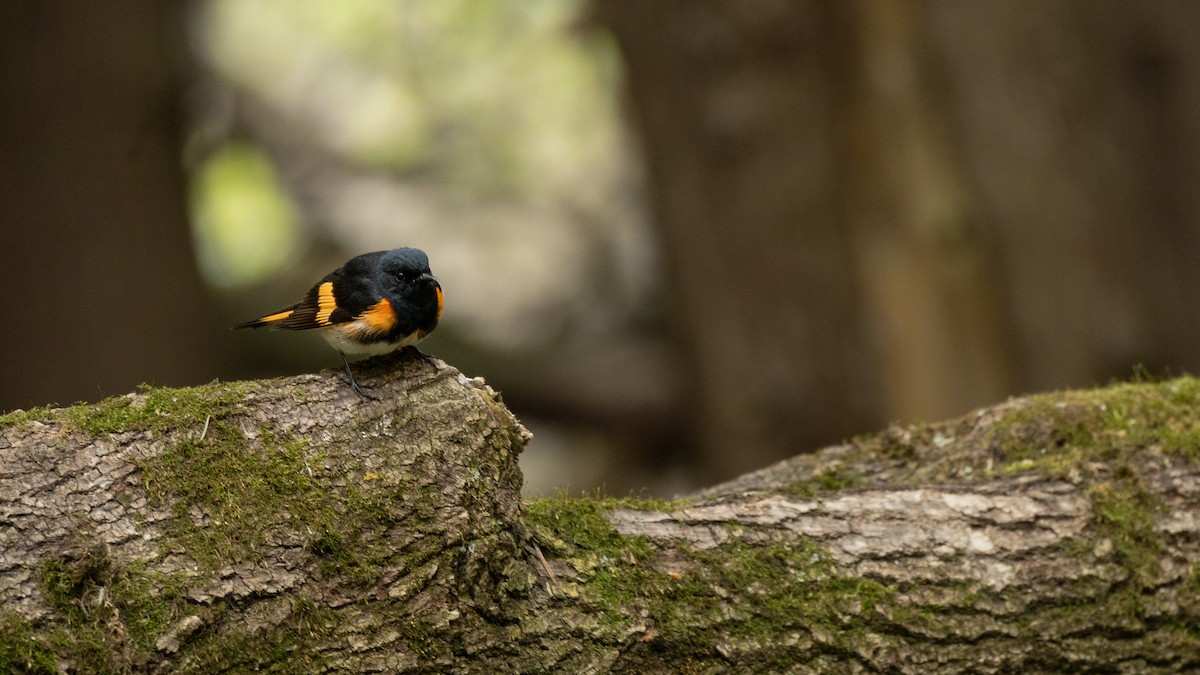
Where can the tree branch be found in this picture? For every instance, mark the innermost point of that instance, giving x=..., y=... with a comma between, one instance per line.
x=285, y=525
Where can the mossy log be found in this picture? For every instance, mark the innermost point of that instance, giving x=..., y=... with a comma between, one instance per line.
x=286, y=526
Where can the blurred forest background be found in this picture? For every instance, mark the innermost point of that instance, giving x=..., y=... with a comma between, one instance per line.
x=686, y=238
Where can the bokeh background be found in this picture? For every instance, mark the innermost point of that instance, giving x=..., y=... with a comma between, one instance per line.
x=685, y=238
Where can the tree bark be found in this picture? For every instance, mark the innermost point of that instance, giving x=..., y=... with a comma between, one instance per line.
x=284, y=525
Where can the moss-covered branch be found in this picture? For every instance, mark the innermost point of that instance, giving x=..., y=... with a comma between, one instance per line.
x=283, y=525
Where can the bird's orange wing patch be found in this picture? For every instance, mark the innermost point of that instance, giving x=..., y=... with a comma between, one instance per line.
x=325, y=303
x=439, y=299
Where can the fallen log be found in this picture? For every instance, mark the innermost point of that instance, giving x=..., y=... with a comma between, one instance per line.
x=284, y=525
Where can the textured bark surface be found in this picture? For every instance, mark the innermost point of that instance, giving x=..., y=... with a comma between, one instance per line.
x=285, y=526
x=245, y=525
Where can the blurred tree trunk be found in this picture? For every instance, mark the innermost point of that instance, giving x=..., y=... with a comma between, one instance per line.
x=100, y=286
x=1073, y=128
x=942, y=203
x=741, y=109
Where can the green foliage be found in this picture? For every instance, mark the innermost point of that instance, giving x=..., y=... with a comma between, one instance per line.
x=442, y=87
x=247, y=228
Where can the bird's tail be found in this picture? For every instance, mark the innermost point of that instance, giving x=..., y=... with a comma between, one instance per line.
x=269, y=321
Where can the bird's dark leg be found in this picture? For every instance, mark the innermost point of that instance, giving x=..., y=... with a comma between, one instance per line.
x=353, y=383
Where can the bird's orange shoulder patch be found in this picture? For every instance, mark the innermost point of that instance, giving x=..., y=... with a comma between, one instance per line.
x=379, y=318
x=439, y=300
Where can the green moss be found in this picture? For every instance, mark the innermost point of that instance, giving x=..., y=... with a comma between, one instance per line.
x=749, y=590
x=158, y=408
x=1101, y=437
x=242, y=490
x=1055, y=433
x=1098, y=439
x=227, y=495
x=581, y=519
x=1062, y=435
x=291, y=646
x=831, y=479
x=1124, y=513
x=1192, y=581
x=615, y=566
x=107, y=616
x=838, y=478
x=348, y=543
x=24, y=649
x=107, y=619
x=76, y=589
x=19, y=417
x=422, y=639
x=310, y=618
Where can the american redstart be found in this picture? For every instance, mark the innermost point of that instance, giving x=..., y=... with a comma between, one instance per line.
x=375, y=303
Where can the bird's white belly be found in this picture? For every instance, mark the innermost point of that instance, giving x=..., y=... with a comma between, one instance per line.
x=346, y=345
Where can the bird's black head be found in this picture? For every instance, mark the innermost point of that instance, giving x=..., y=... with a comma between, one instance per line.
x=406, y=276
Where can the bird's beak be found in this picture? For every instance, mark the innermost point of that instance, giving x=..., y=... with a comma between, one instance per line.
x=427, y=277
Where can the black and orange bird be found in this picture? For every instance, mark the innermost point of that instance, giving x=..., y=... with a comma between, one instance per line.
x=374, y=304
